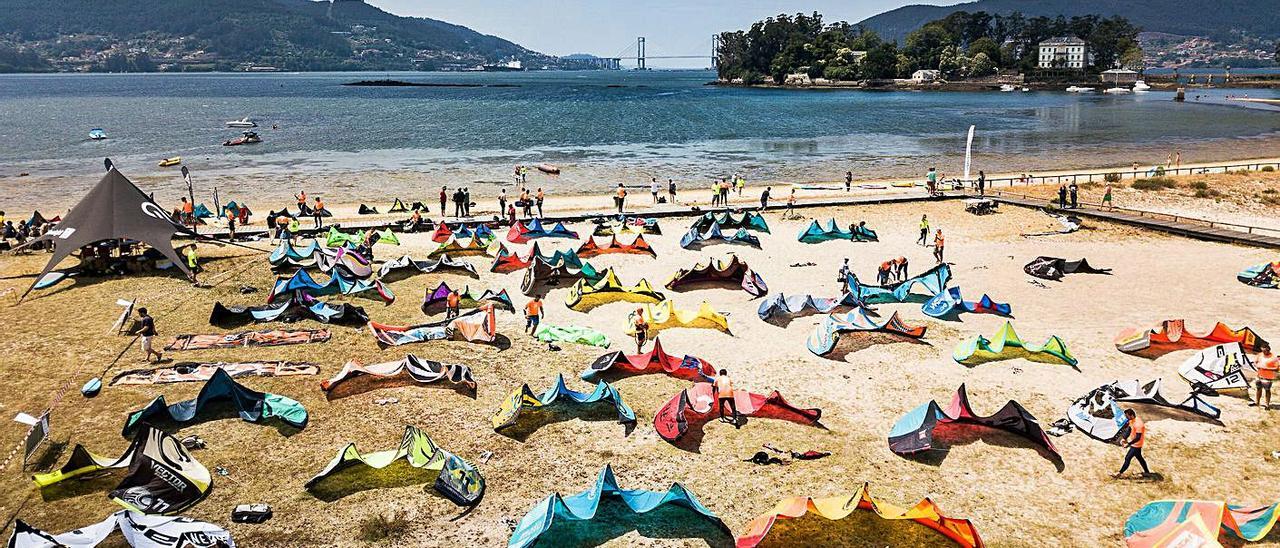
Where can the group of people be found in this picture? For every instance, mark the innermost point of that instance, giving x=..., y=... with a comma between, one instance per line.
x=23, y=231
x=939, y=242
x=892, y=271
x=461, y=201
x=720, y=189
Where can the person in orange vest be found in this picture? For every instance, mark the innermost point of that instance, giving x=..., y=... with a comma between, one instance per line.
x=188, y=213
x=1268, y=366
x=722, y=391
x=1135, y=441
x=882, y=274
x=939, y=243
x=301, y=198
x=532, y=314
x=451, y=304
x=315, y=212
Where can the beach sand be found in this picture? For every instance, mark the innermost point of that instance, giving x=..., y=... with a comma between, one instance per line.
x=1013, y=493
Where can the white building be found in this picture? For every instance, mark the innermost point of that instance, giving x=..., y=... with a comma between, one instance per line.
x=1065, y=52
x=925, y=75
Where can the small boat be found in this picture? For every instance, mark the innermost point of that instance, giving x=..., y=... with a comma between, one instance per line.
x=1140, y=87
x=1007, y=87
x=1116, y=90
x=1079, y=89
x=97, y=134
x=168, y=162
x=550, y=169
x=248, y=138
x=243, y=122
x=1025, y=89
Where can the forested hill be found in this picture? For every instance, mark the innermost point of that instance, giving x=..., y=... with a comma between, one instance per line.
x=289, y=34
x=1218, y=19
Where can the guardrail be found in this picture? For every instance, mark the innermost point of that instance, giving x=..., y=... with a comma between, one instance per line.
x=1159, y=171
x=1248, y=229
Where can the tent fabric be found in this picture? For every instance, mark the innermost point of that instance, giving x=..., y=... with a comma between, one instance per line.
x=417, y=369
x=913, y=432
x=780, y=305
x=734, y=271
x=193, y=372
x=161, y=476
x=1172, y=335
x=672, y=419
x=251, y=405
x=460, y=248
x=1053, y=268
x=1006, y=345
x=665, y=315
x=523, y=232
x=638, y=246
x=656, y=360
x=585, y=296
x=697, y=239
x=926, y=512
x=816, y=233
x=345, y=262
x=949, y=303
x=1220, y=368
x=479, y=325
x=264, y=337
x=509, y=412
x=749, y=220
x=1099, y=416
x=505, y=261
x=455, y=478
x=139, y=531
x=1265, y=275
x=543, y=275
x=438, y=297
x=571, y=334
x=302, y=282
x=826, y=336
x=113, y=209
x=392, y=269
x=933, y=281
x=583, y=506
x=1184, y=522
x=297, y=308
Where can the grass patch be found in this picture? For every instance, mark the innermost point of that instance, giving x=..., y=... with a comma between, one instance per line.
x=379, y=527
x=1200, y=185
x=1111, y=177
x=1271, y=200
x=1209, y=193
x=1268, y=191
x=1154, y=183
x=1268, y=169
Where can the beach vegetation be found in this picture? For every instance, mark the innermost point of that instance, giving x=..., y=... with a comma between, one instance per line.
x=1199, y=185
x=379, y=527
x=1154, y=183
x=1268, y=169
x=1111, y=177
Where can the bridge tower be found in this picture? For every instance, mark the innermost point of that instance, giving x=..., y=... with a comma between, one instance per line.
x=715, y=52
x=640, y=53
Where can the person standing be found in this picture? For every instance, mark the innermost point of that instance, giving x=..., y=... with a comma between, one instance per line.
x=1268, y=367
x=848, y=181
x=526, y=203
x=741, y=184
x=301, y=198
x=452, y=302
x=317, y=212
x=502, y=201
x=1135, y=441
x=444, y=195
x=653, y=189
x=924, y=230
x=294, y=228
x=457, y=202
x=764, y=198
x=932, y=179
x=882, y=273
x=939, y=243
x=147, y=331
x=621, y=198
x=231, y=228
x=540, y=197
x=188, y=213
x=715, y=193
x=791, y=204
x=982, y=183
x=671, y=191
x=1062, y=196
x=902, y=269
x=193, y=263
x=1106, y=198
x=532, y=314
x=722, y=392
x=511, y=215
x=1075, y=194
x=639, y=328
x=466, y=202
x=1177, y=158
x=725, y=185
x=843, y=276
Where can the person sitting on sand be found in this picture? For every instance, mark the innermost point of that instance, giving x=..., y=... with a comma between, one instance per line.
x=532, y=314
x=938, y=245
x=451, y=304
x=147, y=332
x=1136, y=440
x=1268, y=367
x=722, y=391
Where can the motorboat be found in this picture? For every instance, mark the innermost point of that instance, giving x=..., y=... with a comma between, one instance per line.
x=1079, y=89
x=1007, y=87
x=247, y=138
x=549, y=169
x=1025, y=89
x=97, y=134
x=1140, y=87
x=1117, y=90
x=243, y=122
x=169, y=162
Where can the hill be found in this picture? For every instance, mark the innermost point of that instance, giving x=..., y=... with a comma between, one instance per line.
x=229, y=34
x=1258, y=18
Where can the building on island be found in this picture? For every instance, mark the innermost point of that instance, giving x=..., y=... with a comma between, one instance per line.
x=1066, y=52
x=1119, y=77
x=925, y=76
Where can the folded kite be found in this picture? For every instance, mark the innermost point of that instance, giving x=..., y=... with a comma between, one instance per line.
x=638, y=246
x=286, y=254
x=949, y=303
x=417, y=369
x=749, y=220
x=543, y=275
x=734, y=271
x=1099, y=416
x=522, y=397
x=548, y=333
x=583, y=507
x=664, y=315
x=629, y=226
x=521, y=232
x=461, y=248
x=780, y=305
x=1219, y=368
x=656, y=360
x=816, y=233
x=672, y=420
x=437, y=298
x=265, y=337
x=609, y=289
x=696, y=239
x=408, y=264
x=1172, y=335
x=914, y=431
x=960, y=531
x=301, y=281
x=139, y=531
x=162, y=477
x=1007, y=346
x=345, y=263
x=366, y=210
x=297, y=308
x=826, y=335
x=1053, y=268
x=479, y=325
x=1197, y=523
x=191, y=372
x=1265, y=275
x=933, y=281
x=506, y=261
x=252, y=406
x=444, y=232
x=456, y=479
x=336, y=238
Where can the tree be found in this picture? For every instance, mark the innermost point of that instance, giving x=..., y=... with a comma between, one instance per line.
x=981, y=65
x=925, y=45
x=881, y=61
x=951, y=63
x=1132, y=58
x=987, y=46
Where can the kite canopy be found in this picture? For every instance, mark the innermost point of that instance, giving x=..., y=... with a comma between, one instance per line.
x=826, y=335
x=460, y=248
x=816, y=233
x=476, y=326
x=346, y=263
x=656, y=360
x=522, y=397
x=337, y=238
x=139, y=531
x=664, y=315
x=913, y=432
x=1219, y=368
x=1099, y=416
x=405, y=263
x=456, y=479
x=1053, y=268
x=780, y=305
x=162, y=477
x=672, y=420
x=302, y=282
x=1265, y=275
x=1006, y=345
x=749, y=220
x=437, y=298
x=297, y=308
x=1197, y=523
x=417, y=369
x=506, y=261
x=696, y=239
x=548, y=333
x=398, y=207
x=949, y=303
x=637, y=246
x=627, y=226
x=521, y=232
x=583, y=506
x=287, y=255
x=925, y=512
x=367, y=210
x=543, y=275
x=1172, y=335
x=253, y=406
x=265, y=337
x=734, y=271
x=583, y=297
x=933, y=281
x=193, y=372
x=114, y=209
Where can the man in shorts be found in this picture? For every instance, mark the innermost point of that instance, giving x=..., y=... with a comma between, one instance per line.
x=722, y=391
x=1268, y=366
x=147, y=330
x=532, y=314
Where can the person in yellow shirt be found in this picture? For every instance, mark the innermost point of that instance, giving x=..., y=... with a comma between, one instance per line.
x=722, y=391
x=924, y=230
x=1268, y=367
x=193, y=262
x=1136, y=439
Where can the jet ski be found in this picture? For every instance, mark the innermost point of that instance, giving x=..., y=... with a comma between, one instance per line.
x=97, y=134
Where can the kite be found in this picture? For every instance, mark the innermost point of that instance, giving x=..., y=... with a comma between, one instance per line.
x=583, y=297
x=1265, y=275
x=456, y=479
x=1007, y=346
x=1099, y=416
x=749, y=220
x=406, y=263
x=696, y=239
x=734, y=271
x=460, y=248
x=780, y=305
x=960, y=531
x=416, y=369
x=655, y=360
x=437, y=298
x=521, y=233
x=913, y=432
x=543, y=275
x=1219, y=368
x=398, y=207
x=443, y=233
x=672, y=419
x=1197, y=523
x=583, y=506
x=816, y=233
x=949, y=303
x=522, y=397
x=637, y=246
x=345, y=263
x=336, y=238
x=301, y=281
x=664, y=315
x=366, y=210
x=192, y=372
x=628, y=226
x=1172, y=335
x=479, y=325
x=300, y=307
x=251, y=405
x=933, y=281
x=288, y=255
x=506, y=261
x=162, y=477
x=548, y=333
x=1052, y=268
x=826, y=335
x=265, y=337
x=139, y=531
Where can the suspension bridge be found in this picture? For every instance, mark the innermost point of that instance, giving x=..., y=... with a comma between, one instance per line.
x=640, y=56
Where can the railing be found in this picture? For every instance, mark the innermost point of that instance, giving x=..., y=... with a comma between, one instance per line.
x=1248, y=229
x=1100, y=176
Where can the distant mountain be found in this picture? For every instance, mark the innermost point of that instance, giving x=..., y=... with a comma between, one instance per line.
x=231, y=34
x=1214, y=18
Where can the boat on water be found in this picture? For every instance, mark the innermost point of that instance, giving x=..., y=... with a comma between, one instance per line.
x=243, y=122
x=1117, y=90
x=1007, y=87
x=1140, y=86
x=247, y=138
x=169, y=162
x=97, y=134
x=1025, y=89
x=513, y=65
x=1079, y=89
x=550, y=169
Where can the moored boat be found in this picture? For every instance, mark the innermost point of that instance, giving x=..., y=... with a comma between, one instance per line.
x=243, y=122
x=248, y=138
x=169, y=162
x=97, y=134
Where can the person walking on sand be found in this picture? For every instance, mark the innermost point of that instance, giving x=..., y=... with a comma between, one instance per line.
x=722, y=392
x=452, y=302
x=1062, y=196
x=671, y=191
x=848, y=181
x=982, y=183
x=932, y=179
x=621, y=198
x=317, y=215
x=640, y=329
x=764, y=198
x=1106, y=198
x=1268, y=367
x=540, y=197
x=1075, y=194
x=444, y=194
x=147, y=331
x=532, y=314
x=502, y=201
x=1135, y=441
x=924, y=230
x=653, y=189
x=939, y=243
x=791, y=204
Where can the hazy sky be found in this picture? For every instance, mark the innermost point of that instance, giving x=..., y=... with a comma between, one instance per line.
x=610, y=27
